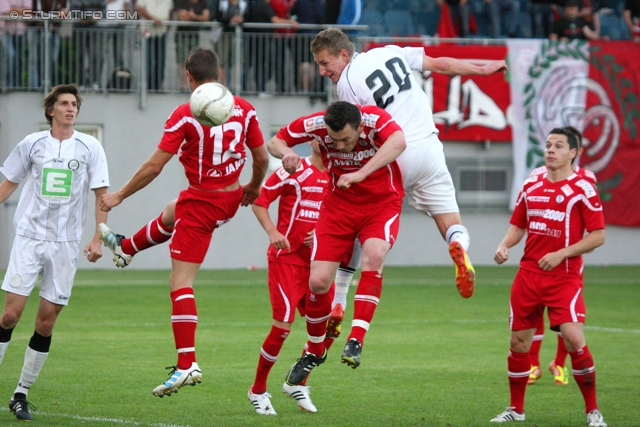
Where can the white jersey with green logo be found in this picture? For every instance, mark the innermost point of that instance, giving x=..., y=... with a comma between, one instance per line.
x=57, y=178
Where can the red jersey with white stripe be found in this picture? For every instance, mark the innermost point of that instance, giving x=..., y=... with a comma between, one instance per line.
x=556, y=215
x=582, y=172
x=383, y=184
x=298, y=210
x=212, y=157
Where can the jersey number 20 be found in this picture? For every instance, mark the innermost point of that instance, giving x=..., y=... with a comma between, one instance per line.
x=379, y=81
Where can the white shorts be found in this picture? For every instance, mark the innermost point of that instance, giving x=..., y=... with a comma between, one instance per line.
x=55, y=261
x=427, y=182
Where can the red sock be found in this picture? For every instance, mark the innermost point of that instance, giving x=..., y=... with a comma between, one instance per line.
x=561, y=353
x=184, y=320
x=365, y=303
x=584, y=372
x=268, y=357
x=317, y=311
x=152, y=234
x=519, y=365
x=534, y=351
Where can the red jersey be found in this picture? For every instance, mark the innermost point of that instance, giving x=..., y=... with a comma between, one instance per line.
x=212, y=157
x=298, y=210
x=383, y=184
x=582, y=172
x=556, y=215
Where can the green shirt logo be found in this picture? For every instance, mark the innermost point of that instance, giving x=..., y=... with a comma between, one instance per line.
x=56, y=183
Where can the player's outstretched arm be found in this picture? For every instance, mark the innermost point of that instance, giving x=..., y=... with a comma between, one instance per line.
x=446, y=65
x=512, y=238
x=6, y=189
x=93, y=251
x=277, y=239
x=279, y=148
x=587, y=244
x=260, y=164
x=147, y=172
x=388, y=152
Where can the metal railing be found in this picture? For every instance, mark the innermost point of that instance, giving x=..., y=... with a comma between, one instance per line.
x=136, y=57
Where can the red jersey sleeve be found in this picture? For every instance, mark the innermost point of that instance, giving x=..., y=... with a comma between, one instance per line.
x=300, y=129
x=270, y=191
x=254, y=136
x=378, y=119
x=591, y=208
x=174, y=133
x=519, y=216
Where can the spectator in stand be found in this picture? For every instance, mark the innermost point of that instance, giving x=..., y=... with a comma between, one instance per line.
x=459, y=10
x=187, y=38
x=13, y=41
x=307, y=12
x=573, y=26
x=350, y=13
x=332, y=11
x=88, y=43
x=228, y=12
x=35, y=40
x=498, y=8
x=261, y=49
x=117, y=43
x=631, y=17
x=542, y=17
x=283, y=41
x=156, y=38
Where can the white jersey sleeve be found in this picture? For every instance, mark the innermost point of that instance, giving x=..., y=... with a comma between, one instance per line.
x=384, y=77
x=16, y=167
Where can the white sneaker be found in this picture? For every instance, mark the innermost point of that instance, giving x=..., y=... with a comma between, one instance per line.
x=301, y=394
x=114, y=242
x=595, y=419
x=179, y=378
x=508, y=415
x=261, y=403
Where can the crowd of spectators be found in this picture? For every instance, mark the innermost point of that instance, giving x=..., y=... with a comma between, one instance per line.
x=87, y=51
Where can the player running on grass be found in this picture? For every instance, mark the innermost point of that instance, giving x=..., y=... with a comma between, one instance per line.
x=289, y=257
x=359, y=146
x=557, y=367
x=212, y=199
x=554, y=211
x=383, y=77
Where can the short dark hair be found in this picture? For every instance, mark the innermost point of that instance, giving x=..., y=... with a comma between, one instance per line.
x=203, y=65
x=577, y=133
x=572, y=3
x=341, y=113
x=52, y=97
x=572, y=139
x=333, y=40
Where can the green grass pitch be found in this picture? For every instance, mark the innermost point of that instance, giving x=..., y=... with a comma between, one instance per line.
x=430, y=358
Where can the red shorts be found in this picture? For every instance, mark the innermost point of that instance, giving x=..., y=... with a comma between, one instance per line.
x=531, y=292
x=340, y=223
x=198, y=213
x=288, y=285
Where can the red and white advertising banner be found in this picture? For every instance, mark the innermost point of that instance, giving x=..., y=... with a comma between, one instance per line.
x=469, y=108
x=594, y=87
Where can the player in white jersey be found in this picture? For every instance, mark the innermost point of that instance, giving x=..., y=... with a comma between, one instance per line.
x=383, y=77
x=58, y=168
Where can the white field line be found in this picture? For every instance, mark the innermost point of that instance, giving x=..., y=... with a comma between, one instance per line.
x=390, y=281
x=103, y=419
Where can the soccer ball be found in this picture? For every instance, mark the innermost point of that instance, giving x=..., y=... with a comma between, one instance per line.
x=211, y=104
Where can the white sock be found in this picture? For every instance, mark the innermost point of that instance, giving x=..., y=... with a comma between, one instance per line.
x=33, y=361
x=343, y=280
x=458, y=233
x=3, y=348
x=345, y=275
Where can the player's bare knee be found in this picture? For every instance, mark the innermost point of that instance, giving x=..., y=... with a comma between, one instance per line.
x=320, y=285
x=10, y=318
x=520, y=343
